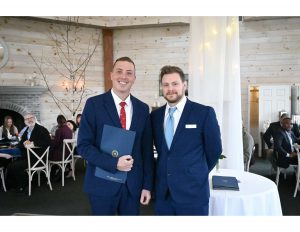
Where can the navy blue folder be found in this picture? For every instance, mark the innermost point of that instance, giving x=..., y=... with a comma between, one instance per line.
x=225, y=183
x=115, y=142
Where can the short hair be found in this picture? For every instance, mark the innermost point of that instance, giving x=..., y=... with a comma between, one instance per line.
x=167, y=69
x=61, y=120
x=124, y=58
x=284, y=116
x=29, y=113
x=284, y=119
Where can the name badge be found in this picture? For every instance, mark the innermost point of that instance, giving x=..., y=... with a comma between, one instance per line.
x=190, y=126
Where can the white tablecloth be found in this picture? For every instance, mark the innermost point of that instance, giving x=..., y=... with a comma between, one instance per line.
x=258, y=196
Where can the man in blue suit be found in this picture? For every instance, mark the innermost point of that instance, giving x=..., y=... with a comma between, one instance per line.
x=284, y=140
x=187, y=152
x=109, y=197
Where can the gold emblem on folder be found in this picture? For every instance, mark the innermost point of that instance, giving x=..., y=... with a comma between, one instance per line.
x=115, y=153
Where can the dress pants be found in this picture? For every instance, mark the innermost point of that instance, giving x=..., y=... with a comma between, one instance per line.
x=167, y=206
x=123, y=203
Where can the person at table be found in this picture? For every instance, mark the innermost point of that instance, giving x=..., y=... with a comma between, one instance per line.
x=73, y=127
x=117, y=108
x=35, y=135
x=62, y=132
x=8, y=130
x=56, y=148
x=188, y=142
x=284, y=144
x=274, y=128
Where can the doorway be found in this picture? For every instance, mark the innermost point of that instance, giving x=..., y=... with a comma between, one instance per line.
x=265, y=103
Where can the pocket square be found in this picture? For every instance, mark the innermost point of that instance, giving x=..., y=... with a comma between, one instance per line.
x=190, y=126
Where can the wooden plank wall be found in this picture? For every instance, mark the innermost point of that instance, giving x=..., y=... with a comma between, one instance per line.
x=151, y=49
x=22, y=36
x=270, y=54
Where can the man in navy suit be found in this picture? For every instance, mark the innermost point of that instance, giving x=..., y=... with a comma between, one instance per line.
x=284, y=141
x=275, y=127
x=185, y=161
x=109, y=197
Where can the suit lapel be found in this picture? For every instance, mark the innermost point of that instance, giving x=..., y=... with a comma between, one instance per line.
x=161, y=118
x=135, y=114
x=182, y=121
x=110, y=107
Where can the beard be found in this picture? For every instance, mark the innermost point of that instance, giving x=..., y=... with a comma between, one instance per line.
x=173, y=97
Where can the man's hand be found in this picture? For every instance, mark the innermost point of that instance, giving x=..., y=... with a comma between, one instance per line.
x=293, y=154
x=125, y=163
x=27, y=143
x=145, y=197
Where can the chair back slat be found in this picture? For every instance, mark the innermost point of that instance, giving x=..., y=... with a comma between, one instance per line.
x=40, y=158
x=38, y=165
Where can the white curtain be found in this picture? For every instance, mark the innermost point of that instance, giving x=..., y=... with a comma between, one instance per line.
x=214, y=79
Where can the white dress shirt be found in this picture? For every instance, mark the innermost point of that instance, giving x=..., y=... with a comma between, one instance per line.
x=177, y=114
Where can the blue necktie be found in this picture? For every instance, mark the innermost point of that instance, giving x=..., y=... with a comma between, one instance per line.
x=169, y=131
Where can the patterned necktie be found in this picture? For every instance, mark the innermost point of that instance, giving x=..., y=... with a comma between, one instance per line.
x=169, y=131
x=123, y=115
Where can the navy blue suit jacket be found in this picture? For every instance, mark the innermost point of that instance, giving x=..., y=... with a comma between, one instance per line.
x=282, y=146
x=100, y=110
x=184, y=169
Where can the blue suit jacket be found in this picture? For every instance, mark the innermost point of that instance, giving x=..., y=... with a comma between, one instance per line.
x=100, y=110
x=184, y=169
x=282, y=146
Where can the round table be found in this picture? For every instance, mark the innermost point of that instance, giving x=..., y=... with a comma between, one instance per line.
x=258, y=196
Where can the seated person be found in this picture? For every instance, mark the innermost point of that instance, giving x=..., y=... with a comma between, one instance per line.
x=274, y=128
x=284, y=144
x=62, y=132
x=73, y=127
x=8, y=130
x=248, y=143
x=36, y=135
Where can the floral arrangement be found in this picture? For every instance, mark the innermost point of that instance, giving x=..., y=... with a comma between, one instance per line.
x=218, y=164
x=222, y=156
